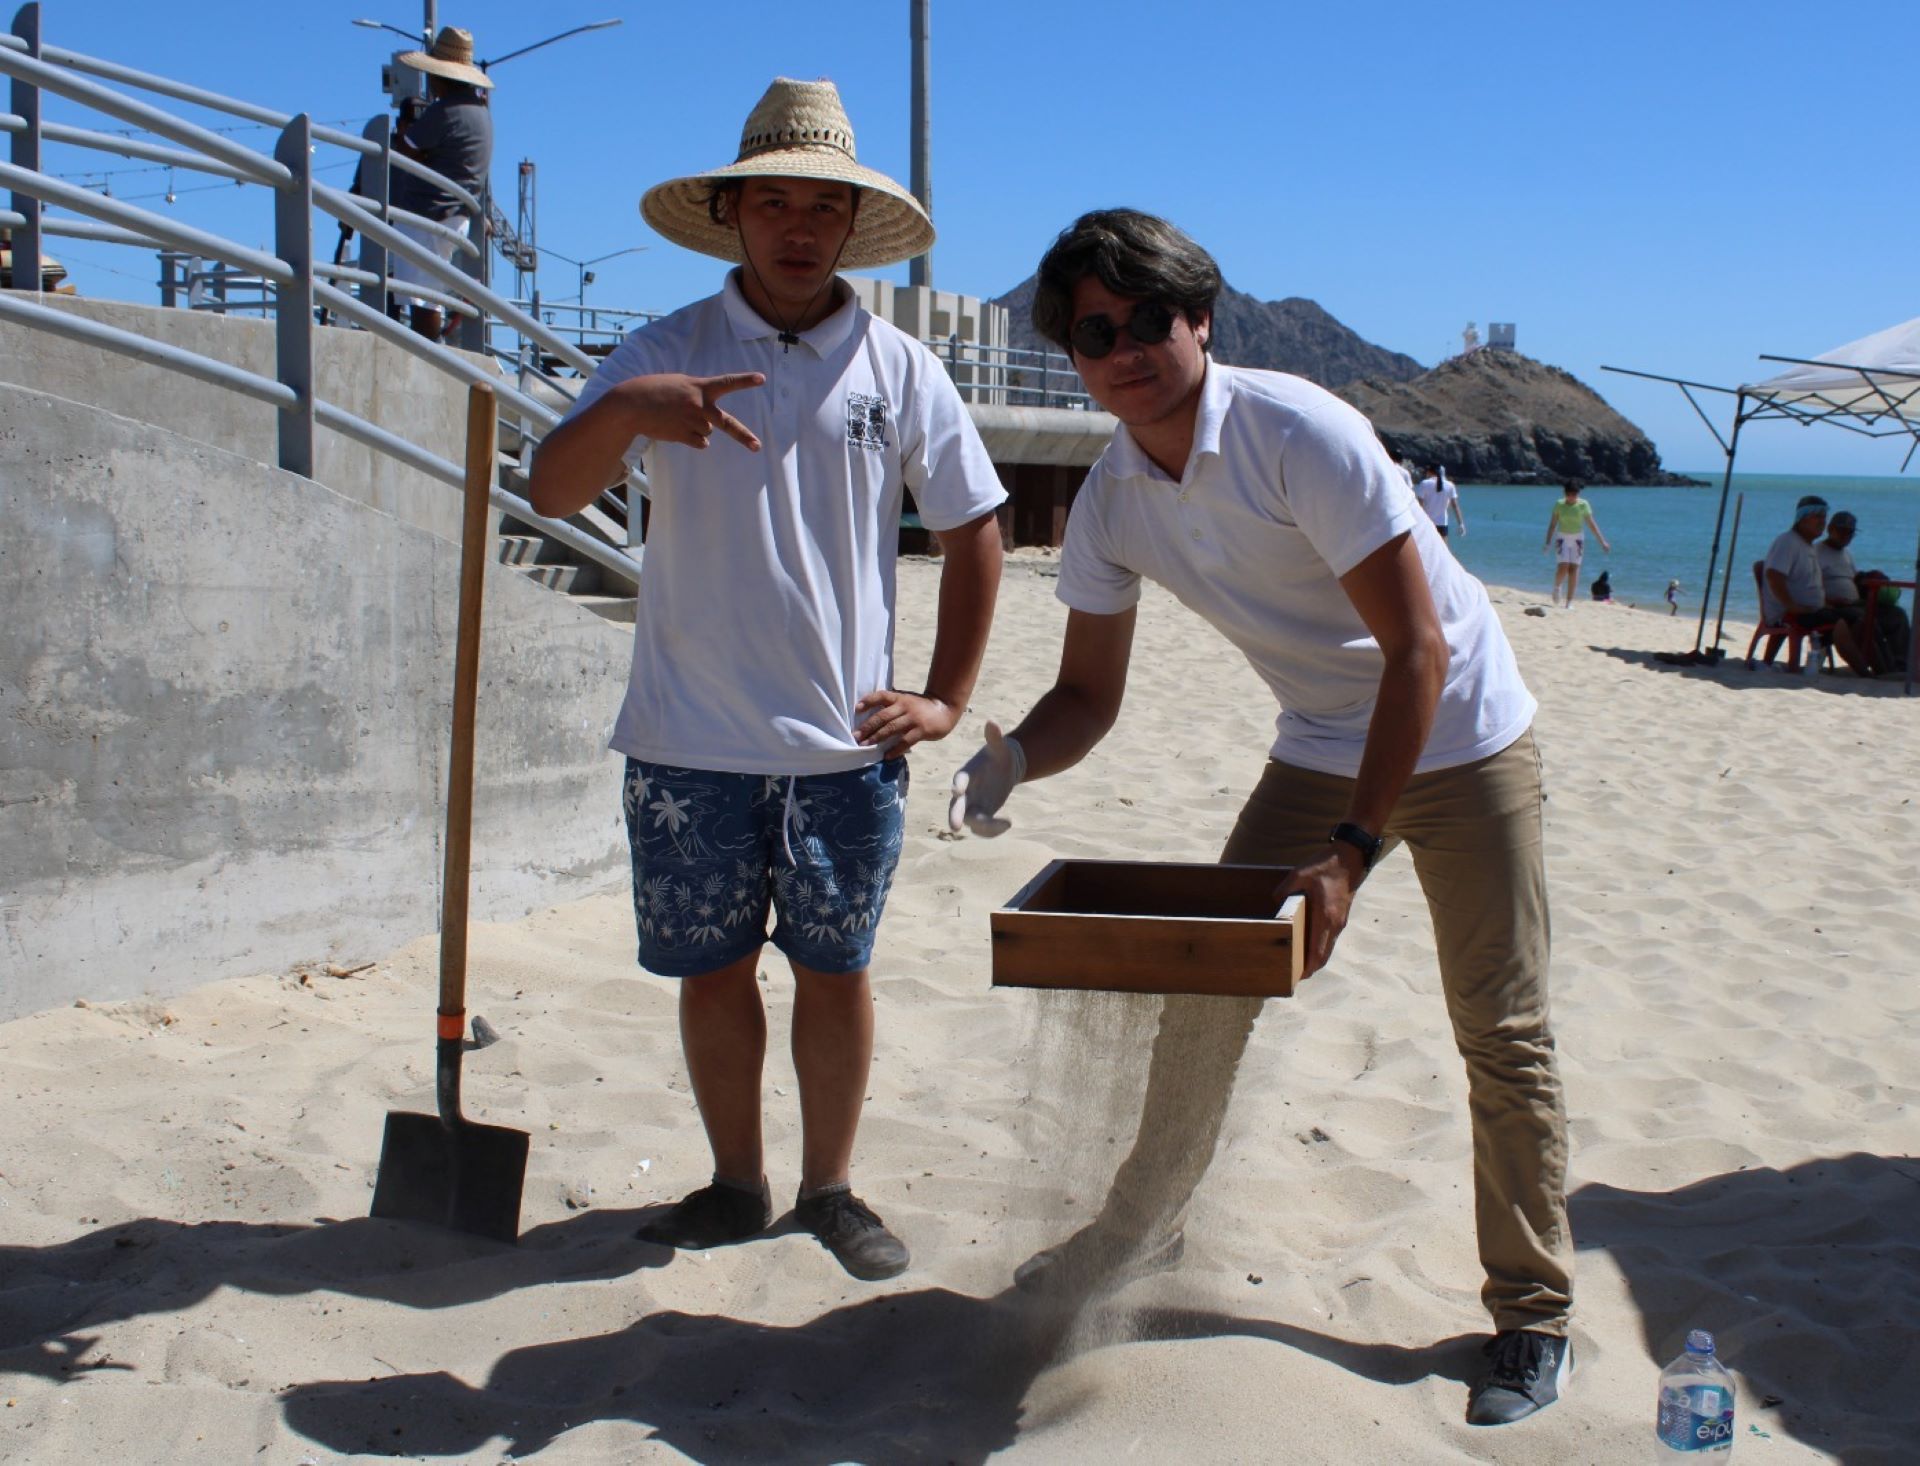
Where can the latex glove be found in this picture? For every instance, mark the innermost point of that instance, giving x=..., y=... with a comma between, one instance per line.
x=983, y=784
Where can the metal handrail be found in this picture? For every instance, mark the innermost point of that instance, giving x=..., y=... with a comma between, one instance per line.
x=392, y=213
x=145, y=348
x=233, y=107
x=344, y=207
x=155, y=226
x=290, y=272
x=50, y=78
x=126, y=147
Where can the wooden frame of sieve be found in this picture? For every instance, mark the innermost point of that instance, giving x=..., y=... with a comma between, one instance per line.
x=1139, y=927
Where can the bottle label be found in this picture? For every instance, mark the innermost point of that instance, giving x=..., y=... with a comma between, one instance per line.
x=1696, y=1418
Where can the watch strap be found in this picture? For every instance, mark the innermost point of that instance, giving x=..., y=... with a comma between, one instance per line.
x=1369, y=845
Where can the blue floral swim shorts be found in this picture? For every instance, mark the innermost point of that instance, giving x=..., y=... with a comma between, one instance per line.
x=712, y=851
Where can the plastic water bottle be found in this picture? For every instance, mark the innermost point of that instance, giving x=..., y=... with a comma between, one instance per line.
x=1816, y=650
x=1696, y=1402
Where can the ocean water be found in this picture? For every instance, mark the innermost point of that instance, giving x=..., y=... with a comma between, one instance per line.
x=1665, y=534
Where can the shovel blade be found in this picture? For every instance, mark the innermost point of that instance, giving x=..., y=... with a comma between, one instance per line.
x=465, y=1176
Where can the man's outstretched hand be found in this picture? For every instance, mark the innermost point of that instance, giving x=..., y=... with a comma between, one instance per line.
x=1328, y=885
x=983, y=784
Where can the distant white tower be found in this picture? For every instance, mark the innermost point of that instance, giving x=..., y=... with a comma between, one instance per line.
x=1470, y=339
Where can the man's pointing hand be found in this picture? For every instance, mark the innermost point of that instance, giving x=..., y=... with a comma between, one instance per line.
x=670, y=407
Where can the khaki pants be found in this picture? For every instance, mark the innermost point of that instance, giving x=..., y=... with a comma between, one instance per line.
x=1474, y=834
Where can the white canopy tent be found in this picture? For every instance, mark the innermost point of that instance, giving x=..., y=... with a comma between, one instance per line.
x=1869, y=384
x=1870, y=387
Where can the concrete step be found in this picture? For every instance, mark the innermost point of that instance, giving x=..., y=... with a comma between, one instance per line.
x=618, y=609
x=573, y=579
x=521, y=549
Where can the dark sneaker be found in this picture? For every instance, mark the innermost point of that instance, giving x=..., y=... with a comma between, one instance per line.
x=1091, y=1262
x=1525, y=1373
x=711, y=1217
x=847, y=1227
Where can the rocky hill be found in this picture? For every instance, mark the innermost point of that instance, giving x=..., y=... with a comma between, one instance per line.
x=1492, y=417
x=1292, y=335
x=1497, y=417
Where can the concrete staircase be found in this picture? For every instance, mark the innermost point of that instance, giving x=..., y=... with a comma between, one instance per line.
x=548, y=563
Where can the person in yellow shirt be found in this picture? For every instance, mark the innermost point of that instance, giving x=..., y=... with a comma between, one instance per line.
x=1566, y=531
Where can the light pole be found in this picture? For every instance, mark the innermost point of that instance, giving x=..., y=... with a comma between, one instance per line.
x=401, y=82
x=585, y=267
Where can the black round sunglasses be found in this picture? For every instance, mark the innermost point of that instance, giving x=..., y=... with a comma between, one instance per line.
x=1095, y=336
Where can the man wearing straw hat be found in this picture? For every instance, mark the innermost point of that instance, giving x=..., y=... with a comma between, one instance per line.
x=1268, y=507
x=454, y=137
x=780, y=425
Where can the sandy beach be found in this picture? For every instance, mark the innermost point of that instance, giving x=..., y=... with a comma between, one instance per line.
x=187, y=1272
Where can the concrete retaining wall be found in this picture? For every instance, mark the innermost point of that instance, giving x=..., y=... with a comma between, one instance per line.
x=224, y=697
x=352, y=369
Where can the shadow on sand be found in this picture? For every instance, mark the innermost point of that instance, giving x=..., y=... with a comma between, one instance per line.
x=930, y=1375
x=1732, y=673
x=156, y=1266
x=1809, y=1279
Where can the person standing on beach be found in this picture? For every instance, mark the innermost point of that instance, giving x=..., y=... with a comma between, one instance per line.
x=1437, y=495
x=1566, y=533
x=1399, y=461
x=454, y=137
x=1794, y=591
x=1267, y=506
x=766, y=739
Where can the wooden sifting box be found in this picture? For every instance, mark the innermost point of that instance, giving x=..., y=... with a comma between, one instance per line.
x=1135, y=927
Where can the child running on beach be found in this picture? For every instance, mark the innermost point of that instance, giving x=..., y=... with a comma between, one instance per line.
x=764, y=734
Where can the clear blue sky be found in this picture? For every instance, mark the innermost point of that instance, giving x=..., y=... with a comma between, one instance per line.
x=1675, y=186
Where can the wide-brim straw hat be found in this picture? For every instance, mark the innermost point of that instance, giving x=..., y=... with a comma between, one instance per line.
x=799, y=129
x=451, y=57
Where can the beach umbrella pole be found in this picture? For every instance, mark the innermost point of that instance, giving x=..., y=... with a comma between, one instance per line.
x=1726, y=582
x=1713, y=557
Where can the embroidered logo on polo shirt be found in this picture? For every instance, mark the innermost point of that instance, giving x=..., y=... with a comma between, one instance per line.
x=867, y=421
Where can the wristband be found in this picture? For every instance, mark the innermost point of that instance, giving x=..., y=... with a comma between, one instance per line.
x=1369, y=846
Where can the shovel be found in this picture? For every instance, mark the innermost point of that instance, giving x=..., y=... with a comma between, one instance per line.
x=445, y=1168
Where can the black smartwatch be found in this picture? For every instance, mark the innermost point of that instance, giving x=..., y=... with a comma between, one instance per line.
x=1369, y=846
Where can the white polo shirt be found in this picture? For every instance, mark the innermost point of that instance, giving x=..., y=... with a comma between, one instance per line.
x=1286, y=490
x=767, y=599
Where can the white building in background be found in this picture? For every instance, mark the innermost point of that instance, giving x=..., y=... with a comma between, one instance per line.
x=966, y=332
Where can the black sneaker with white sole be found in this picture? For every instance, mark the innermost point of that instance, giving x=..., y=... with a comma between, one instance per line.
x=1526, y=1371
x=848, y=1228
x=711, y=1217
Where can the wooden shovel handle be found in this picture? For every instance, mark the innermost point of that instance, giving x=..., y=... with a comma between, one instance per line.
x=482, y=422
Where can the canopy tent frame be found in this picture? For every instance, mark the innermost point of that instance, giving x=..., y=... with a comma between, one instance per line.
x=1872, y=412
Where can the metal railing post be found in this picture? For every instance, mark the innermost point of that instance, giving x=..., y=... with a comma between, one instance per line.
x=473, y=329
x=376, y=184
x=293, y=304
x=26, y=154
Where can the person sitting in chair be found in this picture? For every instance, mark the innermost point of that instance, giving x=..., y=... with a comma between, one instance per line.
x=1848, y=589
x=1792, y=591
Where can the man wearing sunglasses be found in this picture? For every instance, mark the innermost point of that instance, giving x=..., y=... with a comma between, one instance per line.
x=1269, y=507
